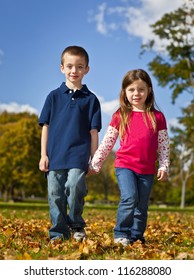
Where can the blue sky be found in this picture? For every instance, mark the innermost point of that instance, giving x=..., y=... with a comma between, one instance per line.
x=33, y=33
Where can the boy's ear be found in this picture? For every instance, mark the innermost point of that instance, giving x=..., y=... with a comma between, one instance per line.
x=87, y=70
x=62, y=68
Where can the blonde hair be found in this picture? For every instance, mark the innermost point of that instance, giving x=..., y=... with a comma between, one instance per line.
x=126, y=108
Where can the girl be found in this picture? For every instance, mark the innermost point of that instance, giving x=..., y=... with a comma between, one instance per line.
x=143, y=139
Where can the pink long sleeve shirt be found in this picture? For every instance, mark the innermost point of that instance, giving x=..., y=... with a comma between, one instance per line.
x=141, y=146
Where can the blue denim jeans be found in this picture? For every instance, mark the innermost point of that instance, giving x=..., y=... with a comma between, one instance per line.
x=133, y=206
x=66, y=189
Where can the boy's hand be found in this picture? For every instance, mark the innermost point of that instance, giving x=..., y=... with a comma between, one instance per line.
x=44, y=163
x=162, y=175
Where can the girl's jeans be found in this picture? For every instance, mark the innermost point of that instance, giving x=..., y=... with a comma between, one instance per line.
x=66, y=188
x=132, y=211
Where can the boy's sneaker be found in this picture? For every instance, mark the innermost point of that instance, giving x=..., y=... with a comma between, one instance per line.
x=78, y=234
x=122, y=240
x=142, y=239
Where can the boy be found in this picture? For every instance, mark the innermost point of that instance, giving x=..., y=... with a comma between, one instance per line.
x=70, y=121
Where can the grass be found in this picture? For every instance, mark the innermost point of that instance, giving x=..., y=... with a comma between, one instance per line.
x=24, y=229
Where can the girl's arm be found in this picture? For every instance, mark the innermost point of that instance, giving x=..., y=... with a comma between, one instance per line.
x=44, y=161
x=104, y=149
x=163, y=154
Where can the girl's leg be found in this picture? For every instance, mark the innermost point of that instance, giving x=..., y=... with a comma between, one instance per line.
x=144, y=186
x=127, y=182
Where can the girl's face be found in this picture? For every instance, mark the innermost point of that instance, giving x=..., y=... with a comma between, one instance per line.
x=74, y=67
x=136, y=94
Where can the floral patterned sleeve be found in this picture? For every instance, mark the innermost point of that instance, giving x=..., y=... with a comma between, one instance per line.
x=163, y=150
x=104, y=148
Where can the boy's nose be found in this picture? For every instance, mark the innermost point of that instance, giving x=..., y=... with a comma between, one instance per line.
x=73, y=69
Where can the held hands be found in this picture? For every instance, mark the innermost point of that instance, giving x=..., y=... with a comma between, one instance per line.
x=162, y=175
x=44, y=163
x=92, y=172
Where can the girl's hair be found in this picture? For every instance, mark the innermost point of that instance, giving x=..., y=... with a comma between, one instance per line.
x=75, y=50
x=126, y=108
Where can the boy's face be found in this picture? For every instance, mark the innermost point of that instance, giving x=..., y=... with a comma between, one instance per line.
x=74, y=67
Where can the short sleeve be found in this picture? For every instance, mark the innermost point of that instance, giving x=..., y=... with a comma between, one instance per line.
x=45, y=113
x=96, y=122
x=115, y=121
x=161, y=121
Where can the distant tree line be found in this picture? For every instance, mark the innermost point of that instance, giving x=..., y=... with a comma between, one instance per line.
x=20, y=153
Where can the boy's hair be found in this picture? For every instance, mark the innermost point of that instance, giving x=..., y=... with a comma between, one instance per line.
x=126, y=108
x=76, y=50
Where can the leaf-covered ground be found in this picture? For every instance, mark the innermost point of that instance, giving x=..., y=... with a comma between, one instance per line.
x=23, y=235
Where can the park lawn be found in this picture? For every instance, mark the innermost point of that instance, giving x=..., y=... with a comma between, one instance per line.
x=23, y=236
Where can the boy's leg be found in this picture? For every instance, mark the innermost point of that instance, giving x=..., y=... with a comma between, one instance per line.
x=58, y=204
x=128, y=196
x=145, y=183
x=76, y=190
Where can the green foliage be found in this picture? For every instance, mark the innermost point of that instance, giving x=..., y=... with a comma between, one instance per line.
x=175, y=67
x=182, y=170
x=19, y=153
x=103, y=186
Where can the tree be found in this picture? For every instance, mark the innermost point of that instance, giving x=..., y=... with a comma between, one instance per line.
x=182, y=143
x=176, y=67
x=103, y=186
x=19, y=153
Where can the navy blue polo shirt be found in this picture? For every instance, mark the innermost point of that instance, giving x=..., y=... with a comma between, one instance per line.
x=70, y=116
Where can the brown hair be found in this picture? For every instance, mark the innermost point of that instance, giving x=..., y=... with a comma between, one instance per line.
x=126, y=108
x=76, y=50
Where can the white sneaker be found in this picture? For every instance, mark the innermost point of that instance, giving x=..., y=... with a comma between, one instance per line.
x=122, y=240
x=79, y=234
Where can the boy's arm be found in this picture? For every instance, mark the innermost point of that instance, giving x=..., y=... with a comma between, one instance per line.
x=44, y=161
x=94, y=141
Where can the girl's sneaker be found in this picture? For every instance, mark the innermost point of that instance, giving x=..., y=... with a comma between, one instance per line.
x=122, y=240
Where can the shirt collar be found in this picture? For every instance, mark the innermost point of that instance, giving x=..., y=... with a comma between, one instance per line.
x=65, y=89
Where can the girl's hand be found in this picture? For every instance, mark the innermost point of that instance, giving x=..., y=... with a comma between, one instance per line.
x=91, y=172
x=162, y=175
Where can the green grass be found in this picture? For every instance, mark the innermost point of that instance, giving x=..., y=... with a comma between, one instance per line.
x=24, y=235
x=43, y=205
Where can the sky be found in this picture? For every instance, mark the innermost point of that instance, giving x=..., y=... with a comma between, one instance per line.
x=33, y=34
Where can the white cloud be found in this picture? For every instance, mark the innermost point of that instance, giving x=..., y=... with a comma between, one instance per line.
x=174, y=123
x=17, y=108
x=132, y=19
x=109, y=107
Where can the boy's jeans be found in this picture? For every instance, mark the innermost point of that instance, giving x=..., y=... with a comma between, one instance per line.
x=66, y=188
x=132, y=211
